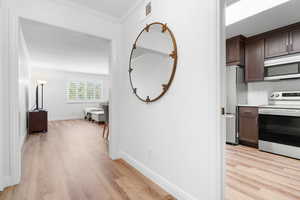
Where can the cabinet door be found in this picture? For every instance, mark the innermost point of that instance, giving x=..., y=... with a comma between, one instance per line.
x=248, y=126
x=232, y=51
x=254, y=60
x=277, y=45
x=295, y=41
x=235, y=51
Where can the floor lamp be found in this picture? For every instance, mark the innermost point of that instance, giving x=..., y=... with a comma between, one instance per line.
x=41, y=83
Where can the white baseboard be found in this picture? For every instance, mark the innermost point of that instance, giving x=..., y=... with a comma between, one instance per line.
x=156, y=178
x=65, y=118
x=6, y=181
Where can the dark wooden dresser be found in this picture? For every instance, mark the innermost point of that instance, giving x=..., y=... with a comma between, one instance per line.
x=37, y=121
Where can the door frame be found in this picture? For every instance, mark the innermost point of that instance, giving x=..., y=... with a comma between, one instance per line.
x=221, y=96
x=13, y=130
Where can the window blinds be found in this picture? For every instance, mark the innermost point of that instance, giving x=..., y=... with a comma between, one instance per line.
x=84, y=91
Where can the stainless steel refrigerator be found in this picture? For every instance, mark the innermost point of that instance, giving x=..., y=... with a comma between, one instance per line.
x=236, y=92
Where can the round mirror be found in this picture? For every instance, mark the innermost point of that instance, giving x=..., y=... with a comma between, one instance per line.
x=153, y=62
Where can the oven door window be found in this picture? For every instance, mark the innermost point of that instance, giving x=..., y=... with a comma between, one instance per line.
x=280, y=129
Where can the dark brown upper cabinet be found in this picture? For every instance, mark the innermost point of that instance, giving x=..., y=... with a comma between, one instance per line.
x=277, y=44
x=294, y=41
x=254, y=60
x=282, y=42
x=235, y=51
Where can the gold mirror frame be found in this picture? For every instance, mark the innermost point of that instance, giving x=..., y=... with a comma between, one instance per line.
x=173, y=55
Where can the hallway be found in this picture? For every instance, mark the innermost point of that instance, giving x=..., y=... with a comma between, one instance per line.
x=71, y=163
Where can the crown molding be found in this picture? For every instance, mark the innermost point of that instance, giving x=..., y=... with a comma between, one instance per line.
x=131, y=10
x=99, y=14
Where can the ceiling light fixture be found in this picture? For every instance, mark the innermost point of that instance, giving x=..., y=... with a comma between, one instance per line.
x=246, y=8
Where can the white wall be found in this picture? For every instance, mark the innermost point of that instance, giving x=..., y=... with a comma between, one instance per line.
x=56, y=14
x=258, y=92
x=4, y=100
x=55, y=99
x=2, y=137
x=24, y=81
x=174, y=141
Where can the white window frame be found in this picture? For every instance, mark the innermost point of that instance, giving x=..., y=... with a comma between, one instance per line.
x=85, y=100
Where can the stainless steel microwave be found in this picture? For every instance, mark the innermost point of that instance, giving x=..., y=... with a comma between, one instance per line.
x=287, y=67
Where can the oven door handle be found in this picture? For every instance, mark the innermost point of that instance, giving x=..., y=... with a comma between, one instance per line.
x=279, y=112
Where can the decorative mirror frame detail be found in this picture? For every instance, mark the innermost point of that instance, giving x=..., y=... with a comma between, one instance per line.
x=173, y=55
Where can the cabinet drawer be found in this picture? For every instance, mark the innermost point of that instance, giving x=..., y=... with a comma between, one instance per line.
x=248, y=111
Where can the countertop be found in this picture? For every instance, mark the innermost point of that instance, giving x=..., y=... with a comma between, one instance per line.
x=282, y=106
x=248, y=105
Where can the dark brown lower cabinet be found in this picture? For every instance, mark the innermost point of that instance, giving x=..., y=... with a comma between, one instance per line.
x=37, y=121
x=248, y=126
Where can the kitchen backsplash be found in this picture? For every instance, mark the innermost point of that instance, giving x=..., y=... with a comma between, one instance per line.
x=258, y=92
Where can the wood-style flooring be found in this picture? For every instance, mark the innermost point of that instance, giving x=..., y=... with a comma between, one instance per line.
x=255, y=175
x=71, y=163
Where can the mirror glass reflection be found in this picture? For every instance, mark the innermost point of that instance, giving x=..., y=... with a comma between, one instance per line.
x=151, y=63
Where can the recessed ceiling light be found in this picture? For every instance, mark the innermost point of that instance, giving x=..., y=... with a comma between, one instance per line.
x=246, y=8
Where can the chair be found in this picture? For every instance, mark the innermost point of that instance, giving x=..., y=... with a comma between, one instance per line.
x=97, y=116
x=106, y=121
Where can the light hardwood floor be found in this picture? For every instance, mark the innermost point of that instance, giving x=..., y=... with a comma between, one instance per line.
x=255, y=175
x=71, y=163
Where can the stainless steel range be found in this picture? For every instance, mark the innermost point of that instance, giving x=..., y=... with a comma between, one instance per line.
x=279, y=124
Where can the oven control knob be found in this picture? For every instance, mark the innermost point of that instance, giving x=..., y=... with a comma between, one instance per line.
x=272, y=95
x=277, y=95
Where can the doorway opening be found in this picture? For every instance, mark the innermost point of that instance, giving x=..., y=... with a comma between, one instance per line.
x=262, y=152
x=64, y=96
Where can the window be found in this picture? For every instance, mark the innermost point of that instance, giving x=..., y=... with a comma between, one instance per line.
x=84, y=91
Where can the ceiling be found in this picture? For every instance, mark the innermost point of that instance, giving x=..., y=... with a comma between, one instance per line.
x=114, y=8
x=57, y=48
x=229, y=2
x=282, y=15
